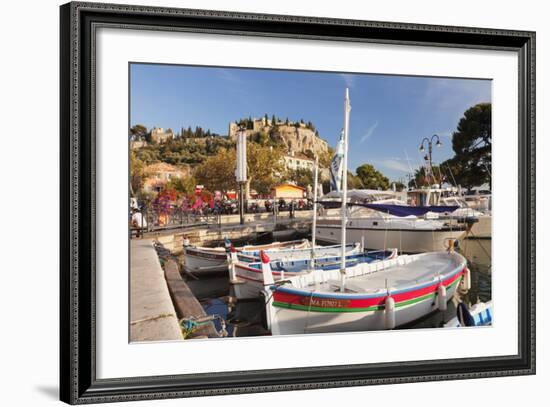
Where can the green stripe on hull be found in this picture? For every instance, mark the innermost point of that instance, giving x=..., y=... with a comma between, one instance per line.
x=366, y=309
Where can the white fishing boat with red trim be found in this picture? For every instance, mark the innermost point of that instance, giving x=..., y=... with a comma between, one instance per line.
x=200, y=259
x=377, y=296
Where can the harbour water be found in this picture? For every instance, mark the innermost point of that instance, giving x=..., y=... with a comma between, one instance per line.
x=247, y=318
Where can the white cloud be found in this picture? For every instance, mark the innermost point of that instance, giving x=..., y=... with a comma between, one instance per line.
x=394, y=164
x=369, y=132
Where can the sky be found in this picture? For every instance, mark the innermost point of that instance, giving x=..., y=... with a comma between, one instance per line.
x=389, y=118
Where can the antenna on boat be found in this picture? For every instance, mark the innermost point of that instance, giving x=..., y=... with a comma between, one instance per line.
x=314, y=225
x=347, y=109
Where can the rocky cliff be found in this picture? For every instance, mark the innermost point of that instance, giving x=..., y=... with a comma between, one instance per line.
x=296, y=138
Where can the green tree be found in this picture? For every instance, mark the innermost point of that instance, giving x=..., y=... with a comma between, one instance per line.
x=265, y=166
x=138, y=174
x=421, y=178
x=262, y=137
x=354, y=181
x=471, y=164
x=185, y=185
x=138, y=132
x=372, y=178
x=399, y=186
x=300, y=176
x=325, y=158
x=217, y=172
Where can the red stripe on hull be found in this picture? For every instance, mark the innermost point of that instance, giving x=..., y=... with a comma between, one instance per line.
x=348, y=302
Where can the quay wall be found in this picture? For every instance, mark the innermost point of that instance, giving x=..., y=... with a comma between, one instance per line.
x=152, y=314
x=173, y=239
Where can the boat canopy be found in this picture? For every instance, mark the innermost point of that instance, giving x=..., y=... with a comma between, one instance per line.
x=396, y=210
x=365, y=195
x=403, y=210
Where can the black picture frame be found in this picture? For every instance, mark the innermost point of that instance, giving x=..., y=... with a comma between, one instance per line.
x=78, y=382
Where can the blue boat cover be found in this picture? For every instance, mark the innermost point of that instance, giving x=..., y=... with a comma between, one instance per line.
x=403, y=210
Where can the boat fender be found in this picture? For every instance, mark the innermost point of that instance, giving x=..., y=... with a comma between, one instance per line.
x=467, y=278
x=232, y=261
x=456, y=245
x=463, y=315
x=450, y=245
x=441, y=297
x=389, y=312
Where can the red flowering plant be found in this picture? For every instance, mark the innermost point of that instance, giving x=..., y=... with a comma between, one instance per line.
x=163, y=202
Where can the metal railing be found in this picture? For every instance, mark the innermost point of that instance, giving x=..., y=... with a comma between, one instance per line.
x=155, y=218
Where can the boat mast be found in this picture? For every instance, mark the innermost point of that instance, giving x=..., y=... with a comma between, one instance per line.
x=314, y=225
x=347, y=109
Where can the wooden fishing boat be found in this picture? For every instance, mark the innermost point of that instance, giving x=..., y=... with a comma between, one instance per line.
x=379, y=295
x=200, y=259
x=297, y=253
x=250, y=279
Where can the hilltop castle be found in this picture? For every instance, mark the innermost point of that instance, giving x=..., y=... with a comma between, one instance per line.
x=296, y=137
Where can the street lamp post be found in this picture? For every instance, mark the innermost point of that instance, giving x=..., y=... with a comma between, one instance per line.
x=241, y=170
x=429, y=156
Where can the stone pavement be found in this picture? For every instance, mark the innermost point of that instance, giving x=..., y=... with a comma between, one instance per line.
x=152, y=314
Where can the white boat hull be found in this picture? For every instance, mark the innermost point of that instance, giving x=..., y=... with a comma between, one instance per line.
x=380, y=295
x=208, y=260
x=197, y=261
x=482, y=228
x=295, y=322
x=407, y=240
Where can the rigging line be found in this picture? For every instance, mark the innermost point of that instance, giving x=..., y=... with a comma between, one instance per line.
x=423, y=166
x=450, y=178
x=454, y=180
x=410, y=169
x=440, y=175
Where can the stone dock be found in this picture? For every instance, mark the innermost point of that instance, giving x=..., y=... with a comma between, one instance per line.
x=152, y=314
x=160, y=298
